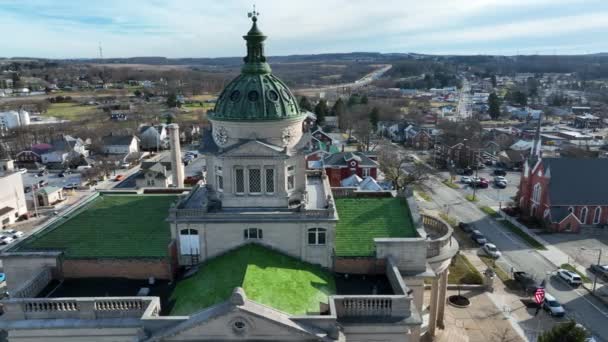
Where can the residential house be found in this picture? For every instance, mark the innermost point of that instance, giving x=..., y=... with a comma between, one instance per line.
x=587, y=121
x=459, y=155
x=12, y=196
x=565, y=193
x=418, y=138
x=339, y=166
x=153, y=137
x=120, y=144
x=154, y=175
x=189, y=134
x=30, y=158
x=49, y=195
x=65, y=149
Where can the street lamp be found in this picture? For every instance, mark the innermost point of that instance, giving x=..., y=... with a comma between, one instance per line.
x=599, y=260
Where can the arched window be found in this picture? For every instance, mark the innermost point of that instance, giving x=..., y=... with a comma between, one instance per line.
x=583, y=216
x=316, y=236
x=253, y=233
x=536, y=193
x=597, y=215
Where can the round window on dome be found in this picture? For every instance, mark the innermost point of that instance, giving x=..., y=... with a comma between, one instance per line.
x=253, y=96
x=272, y=96
x=235, y=95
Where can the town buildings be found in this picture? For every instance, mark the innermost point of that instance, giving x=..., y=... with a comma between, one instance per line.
x=14, y=118
x=271, y=252
x=12, y=197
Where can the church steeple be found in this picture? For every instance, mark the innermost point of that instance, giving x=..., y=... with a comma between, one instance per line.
x=255, y=61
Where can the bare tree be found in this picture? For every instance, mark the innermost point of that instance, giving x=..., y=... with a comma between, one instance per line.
x=399, y=169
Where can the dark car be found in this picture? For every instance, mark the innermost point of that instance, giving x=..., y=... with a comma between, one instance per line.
x=526, y=281
x=466, y=227
x=500, y=172
x=478, y=237
x=61, y=175
x=467, y=172
x=42, y=173
x=599, y=270
x=500, y=185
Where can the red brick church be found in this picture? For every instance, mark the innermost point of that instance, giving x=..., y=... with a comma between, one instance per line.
x=565, y=193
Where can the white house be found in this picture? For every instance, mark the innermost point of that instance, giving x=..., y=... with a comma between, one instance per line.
x=12, y=119
x=65, y=148
x=120, y=144
x=12, y=197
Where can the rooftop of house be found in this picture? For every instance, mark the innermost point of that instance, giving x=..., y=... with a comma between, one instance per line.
x=577, y=181
x=107, y=228
x=363, y=219
x=117, y=139
x=267, y=276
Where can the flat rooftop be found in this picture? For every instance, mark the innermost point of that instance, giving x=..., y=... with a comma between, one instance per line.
x=111, y=226
x=267, y=276
x=364, y=219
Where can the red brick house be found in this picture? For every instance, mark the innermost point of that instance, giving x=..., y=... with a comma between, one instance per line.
x=565, y=193
x=339, y=166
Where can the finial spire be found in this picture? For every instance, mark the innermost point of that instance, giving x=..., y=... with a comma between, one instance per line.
x=255, y=61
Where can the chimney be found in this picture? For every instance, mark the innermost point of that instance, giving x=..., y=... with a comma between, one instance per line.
x=176, y=156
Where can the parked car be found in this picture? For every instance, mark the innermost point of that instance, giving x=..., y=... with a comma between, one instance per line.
x=478, y=237
x=118, y=178
x=61, y=175
x=22, y=171
x=42, y=183
x=526, y=281
x=500, y=185
x=84, y=167
x=2, y=277
x=465, y=180
x=27, y=189
x=125, y=165
x=553, y=307
x=71, y=186
x=599, y=270
x=491, y=250
x=502, y=179
x=500, y=172
x=5, y=239
x=43, y=173
x=480, y=184
x=466, y=227
x=15, y=234
x=571, y=278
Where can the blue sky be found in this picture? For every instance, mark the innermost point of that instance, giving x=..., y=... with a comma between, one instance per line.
x=204, y=28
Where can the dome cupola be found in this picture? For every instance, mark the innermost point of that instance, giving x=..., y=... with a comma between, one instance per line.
x=256, y=94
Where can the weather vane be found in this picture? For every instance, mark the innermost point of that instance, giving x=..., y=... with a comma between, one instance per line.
x=253, y=14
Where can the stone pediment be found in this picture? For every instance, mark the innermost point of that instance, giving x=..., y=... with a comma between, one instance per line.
x=254, y=148
x=241, y=320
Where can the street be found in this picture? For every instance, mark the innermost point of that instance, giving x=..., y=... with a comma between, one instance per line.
x=518, y=256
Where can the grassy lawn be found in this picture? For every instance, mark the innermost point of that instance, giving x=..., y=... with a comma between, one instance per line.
x=268, y=277
x=573, y=269
x=449, y=219
x=70, y=111
x=450, y=184
x=463, y=272
x=113, y=226
x=363, y=219
x=471, y=198
x=489, y=211
x=523, y=235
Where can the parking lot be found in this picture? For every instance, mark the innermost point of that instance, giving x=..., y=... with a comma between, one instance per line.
x=53, y=179
x=492, y=195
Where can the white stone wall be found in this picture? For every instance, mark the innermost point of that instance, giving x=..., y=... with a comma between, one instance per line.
x=289, y=237
x=12, y=195
x=280, y=132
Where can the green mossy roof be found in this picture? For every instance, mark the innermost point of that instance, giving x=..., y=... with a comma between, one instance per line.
x=363, y=219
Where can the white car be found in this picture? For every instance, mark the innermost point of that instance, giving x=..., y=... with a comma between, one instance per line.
x=465, y=180
x=5, y=239
x=22, y=171
x=491, y=250
x=571, y=278
x=553, y=307
x=15, y=234
x=500, y=179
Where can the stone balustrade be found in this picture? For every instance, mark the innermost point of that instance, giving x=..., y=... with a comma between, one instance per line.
x=81, y=308
x=32, y=287
x=371, y=306
x=439, y=235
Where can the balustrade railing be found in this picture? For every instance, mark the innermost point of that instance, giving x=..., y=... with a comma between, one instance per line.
x=32, y=287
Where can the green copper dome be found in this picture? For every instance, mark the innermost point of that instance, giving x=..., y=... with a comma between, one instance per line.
x=255, y=94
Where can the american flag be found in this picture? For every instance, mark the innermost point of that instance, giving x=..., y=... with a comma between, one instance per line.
x=539, y=295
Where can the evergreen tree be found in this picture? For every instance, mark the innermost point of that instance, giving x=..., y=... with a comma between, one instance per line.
x=321, y=111
x=493, y=81
x=172, y=100
x=338, y=108
x=494, y=104
x=374, y=116
x=305, y=104
x=364, y=99
x=568, y=332
x=353, y=100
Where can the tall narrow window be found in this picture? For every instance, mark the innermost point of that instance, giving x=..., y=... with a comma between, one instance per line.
x=316, y=236
x=583, y=216
x=597, y=215
x=269, y=180
x=365, y=172
x=291, y=177
x=255, y=181
x=219, y=178
x=239, y=179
